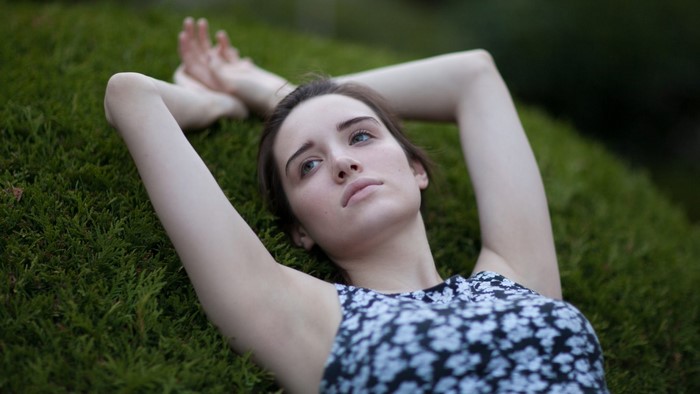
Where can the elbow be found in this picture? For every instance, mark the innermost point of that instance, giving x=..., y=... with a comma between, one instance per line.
x=476, y=63
x=471, y=75
x=484, y=57
x=120, y=91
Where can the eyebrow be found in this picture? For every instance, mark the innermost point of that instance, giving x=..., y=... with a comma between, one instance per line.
x=307, y=145
x=348, y=123
x=339, y=127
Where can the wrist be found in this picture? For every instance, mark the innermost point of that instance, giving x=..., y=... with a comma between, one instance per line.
x=277, y=96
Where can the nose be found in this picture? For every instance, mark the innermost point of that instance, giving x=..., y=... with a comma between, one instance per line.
x=345, y=167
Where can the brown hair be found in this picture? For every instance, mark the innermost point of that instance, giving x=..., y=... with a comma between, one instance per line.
x=269, y=179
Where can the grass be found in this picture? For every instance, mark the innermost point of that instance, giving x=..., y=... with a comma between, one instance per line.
x=93, y=297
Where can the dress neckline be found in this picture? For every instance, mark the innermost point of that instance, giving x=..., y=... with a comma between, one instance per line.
x=450, y=282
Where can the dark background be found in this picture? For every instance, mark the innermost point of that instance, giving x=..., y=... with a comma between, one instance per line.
x=623, y=72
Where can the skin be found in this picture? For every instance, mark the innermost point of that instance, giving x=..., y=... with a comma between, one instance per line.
x=288, y=318
x=380, y=220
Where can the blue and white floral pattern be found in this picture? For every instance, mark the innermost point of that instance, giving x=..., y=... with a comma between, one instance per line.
x=479, y=335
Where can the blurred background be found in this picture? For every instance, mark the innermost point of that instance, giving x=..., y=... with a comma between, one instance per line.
x=622, y=72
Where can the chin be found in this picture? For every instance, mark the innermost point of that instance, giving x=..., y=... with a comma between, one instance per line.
x=373, y=226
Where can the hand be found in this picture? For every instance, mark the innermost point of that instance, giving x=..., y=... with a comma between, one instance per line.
x=220, y=104
x=220, y=68
x=195, y=51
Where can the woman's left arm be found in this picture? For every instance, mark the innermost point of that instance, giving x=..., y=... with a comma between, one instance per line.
x=467, y=88
x=464, y=87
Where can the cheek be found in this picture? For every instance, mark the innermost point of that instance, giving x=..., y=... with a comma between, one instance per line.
x=309, y=205
x=398, y=162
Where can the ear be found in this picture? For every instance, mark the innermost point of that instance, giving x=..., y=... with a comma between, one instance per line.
x=301, y=238
x=421, y=175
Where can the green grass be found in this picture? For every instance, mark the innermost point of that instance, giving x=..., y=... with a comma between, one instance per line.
x=93, y=297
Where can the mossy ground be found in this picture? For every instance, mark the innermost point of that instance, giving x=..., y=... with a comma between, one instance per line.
x=93, y=297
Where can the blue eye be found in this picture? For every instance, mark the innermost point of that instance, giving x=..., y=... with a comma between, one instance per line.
x=308, y=166
x=360, y=136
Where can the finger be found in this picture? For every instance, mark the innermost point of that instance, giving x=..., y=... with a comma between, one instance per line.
x=188, y=27
x=203, y=33
x=224, y=47
x=222, y=38
x=182, y=44
x=187, y=23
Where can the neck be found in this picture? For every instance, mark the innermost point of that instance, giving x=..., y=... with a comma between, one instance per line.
x=399, y=261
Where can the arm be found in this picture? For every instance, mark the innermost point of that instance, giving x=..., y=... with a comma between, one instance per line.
x=464, y=87
x=279, y=313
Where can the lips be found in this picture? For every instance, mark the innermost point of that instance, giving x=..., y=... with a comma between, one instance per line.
x=356, y=187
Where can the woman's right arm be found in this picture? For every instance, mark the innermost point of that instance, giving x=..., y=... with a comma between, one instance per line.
x=279, y=313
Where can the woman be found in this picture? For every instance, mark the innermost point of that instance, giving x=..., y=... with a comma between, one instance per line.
x=341, y=177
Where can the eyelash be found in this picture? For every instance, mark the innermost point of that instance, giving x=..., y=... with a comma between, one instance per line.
x=304, y=163
x=360, y=132
x=352, y=136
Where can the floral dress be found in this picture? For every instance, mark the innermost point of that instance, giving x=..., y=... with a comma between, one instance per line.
x=479, y=335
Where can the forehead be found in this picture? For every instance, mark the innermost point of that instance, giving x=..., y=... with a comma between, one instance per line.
x=317, y=117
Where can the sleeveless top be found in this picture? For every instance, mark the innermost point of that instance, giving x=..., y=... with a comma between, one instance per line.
x=479, y=335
